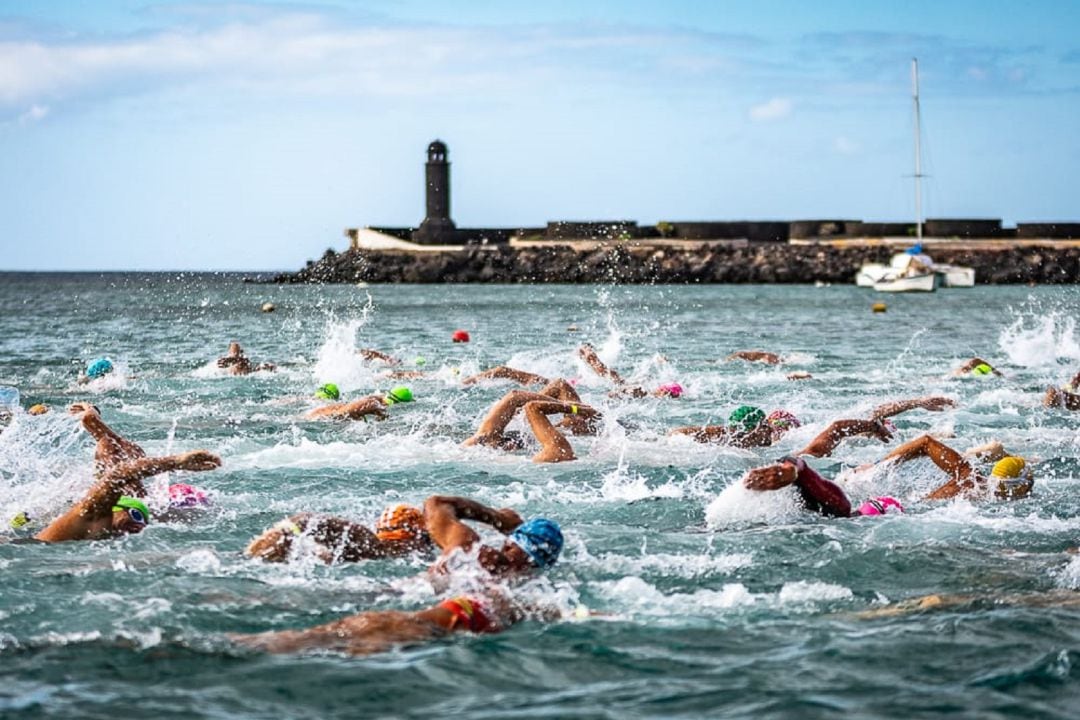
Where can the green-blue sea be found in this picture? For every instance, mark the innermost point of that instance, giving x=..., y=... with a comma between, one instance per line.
x=707, y=600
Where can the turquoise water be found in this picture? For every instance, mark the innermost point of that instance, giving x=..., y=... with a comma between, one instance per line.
x=713, y=602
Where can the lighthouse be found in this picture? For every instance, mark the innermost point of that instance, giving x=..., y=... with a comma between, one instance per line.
x=437, y=227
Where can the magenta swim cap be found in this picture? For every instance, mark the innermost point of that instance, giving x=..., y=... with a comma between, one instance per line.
x=880, y=506
x=182, y=495
x=671, y=389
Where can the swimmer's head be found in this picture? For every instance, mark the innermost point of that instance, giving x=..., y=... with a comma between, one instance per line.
x=182, y=496
x=1015, y=479
x=541, y=539
x=982, y=369
x=780, y=421
x=670, y=390
x=745, y=418
x=130, y=514
x=328, y=391
x=1008, y=467
x=98, y=367
x=401, y=523
x=511, y=441
x=39, y=409
x=399, y=394
x=884, y=505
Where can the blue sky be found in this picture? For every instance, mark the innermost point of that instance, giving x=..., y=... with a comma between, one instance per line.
x=186, y=135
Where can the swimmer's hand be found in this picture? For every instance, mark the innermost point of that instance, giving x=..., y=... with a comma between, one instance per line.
x=935, y=403
x=771, y=477
x=505, y=520
x=199, y=461
x=81, y=408
x=881, y=432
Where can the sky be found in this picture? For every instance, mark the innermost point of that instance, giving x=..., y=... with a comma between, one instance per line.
x=145, y=135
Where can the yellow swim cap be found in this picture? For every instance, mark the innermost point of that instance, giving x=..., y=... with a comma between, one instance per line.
x=1008, y=467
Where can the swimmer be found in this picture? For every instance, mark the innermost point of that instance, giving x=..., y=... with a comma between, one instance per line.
x=588, y=354
x=555, y=398
x=378, y=631
x=399, y=531
x=1067, y=396
x=1053, y=598
x=531, y=545
x=756, y=356
x=112, y=506
x=1012, y=479
x=747, y=427
x=876, y=426
x=369, y=354
x=374, y=405
x=238, y=364
x=976, y=366
x=818, y=494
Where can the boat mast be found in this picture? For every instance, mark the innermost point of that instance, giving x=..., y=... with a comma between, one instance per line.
x=918, y=152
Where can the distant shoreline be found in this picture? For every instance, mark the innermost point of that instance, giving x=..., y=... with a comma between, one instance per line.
x=996, y=262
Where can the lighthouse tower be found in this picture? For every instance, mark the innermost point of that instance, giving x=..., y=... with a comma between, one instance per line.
x=437, y=227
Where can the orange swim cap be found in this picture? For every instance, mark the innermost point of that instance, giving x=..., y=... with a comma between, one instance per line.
x=400, y=522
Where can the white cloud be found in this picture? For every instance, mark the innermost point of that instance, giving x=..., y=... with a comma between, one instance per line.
x=772, y=110
x=846, y=146
x=34, y=114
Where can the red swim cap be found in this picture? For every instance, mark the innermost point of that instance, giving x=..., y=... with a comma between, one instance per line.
x=460, y=336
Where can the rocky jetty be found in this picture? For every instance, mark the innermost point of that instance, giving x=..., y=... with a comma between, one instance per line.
x=712, y=263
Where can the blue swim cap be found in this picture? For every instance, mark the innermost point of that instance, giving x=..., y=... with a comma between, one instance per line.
x=99, y=367
x=541, y=539
x=914, y=249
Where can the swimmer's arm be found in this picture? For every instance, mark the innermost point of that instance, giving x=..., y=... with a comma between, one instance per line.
x=830, y=437
x=588, y=354
x=369, y=354
x=504, y=520
x=703, y=433
x=354, y=410
x=502, y=372
x=932, y=403
x=444, y=526
x=972, y=364
x=756, y=356
x=127, y=477
x=771, y=477
x=91, y=421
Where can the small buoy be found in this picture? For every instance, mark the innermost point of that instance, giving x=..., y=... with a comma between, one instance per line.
x=879, y=307
x=268, y=307
x=460, y=336
x=38, y=409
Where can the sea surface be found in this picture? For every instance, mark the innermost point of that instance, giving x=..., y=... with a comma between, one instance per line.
x=704, y=600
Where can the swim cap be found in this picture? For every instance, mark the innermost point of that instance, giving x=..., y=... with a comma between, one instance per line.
x=38, y=409
x=329, y=391
x=420, y=361
x=398, y=394
x=982, y=369
x=99, y=367
x=1008, y=467
x=748, y=416
x=880, y=506
x=133, y=506
x=182, y=495
x=783, y=420
x=671, y=389
x=460, y=336
x=541, y=539
x=400, y=522
x=914, y=249
x=20, y=520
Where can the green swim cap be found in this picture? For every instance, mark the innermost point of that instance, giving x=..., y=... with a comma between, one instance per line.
x=398, y=394
x=329, y=391
x=126, y=502
x=746, y=416
x=982, y=369
x=420, y=361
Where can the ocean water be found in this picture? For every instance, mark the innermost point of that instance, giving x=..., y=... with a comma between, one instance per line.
x=709, y=601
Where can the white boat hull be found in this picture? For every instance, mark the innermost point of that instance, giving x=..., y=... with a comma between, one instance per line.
x=908, y=283
x=955, y=276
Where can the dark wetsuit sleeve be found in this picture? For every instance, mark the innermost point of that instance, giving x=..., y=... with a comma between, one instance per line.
x=821, y=495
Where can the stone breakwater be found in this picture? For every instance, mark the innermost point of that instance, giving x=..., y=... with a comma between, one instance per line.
x=628, y=263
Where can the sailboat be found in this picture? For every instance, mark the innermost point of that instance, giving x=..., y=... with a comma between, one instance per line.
x=913, y=270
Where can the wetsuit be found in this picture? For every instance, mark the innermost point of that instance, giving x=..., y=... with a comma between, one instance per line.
x=819, y=494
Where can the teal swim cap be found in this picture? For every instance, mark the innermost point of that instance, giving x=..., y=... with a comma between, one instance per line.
x=329, y=391
x=982, y=369
x=398, y=394
x=99, y=367
x=745, y=418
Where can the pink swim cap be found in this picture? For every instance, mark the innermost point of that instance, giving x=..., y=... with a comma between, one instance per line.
x=782, y=419
x=182, y=495
x=671, y=389
x=880, y=506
